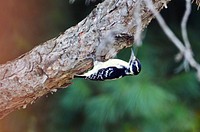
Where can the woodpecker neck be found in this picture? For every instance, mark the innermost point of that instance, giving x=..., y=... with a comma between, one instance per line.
x=128, y=71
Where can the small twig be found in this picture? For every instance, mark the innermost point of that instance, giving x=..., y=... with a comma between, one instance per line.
x=164, y=26
x=184, y=24
x=197, y=2
x=184, y=31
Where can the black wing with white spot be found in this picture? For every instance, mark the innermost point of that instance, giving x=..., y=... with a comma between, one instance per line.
x=108, y=73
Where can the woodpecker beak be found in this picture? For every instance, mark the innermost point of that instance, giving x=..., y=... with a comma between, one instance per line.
x=132, y=56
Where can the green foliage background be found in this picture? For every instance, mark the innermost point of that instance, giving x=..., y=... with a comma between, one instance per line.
x=157, y=100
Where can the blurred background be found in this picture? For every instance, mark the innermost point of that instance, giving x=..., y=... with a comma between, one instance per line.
x=157, y=100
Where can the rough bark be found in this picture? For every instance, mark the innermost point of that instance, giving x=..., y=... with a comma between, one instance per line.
x=109, y=28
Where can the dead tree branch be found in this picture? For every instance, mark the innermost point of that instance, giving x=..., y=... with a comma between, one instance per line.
x=184, y=47
x=109, y=28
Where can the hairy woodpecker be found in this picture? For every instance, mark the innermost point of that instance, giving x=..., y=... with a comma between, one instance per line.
x=113, y=69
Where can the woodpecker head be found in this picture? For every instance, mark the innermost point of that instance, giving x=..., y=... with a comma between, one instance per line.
x=134, y=65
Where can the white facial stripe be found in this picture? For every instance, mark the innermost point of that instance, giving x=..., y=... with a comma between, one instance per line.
x=136, y=64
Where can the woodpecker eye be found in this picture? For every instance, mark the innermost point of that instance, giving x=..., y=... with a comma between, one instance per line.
x=136, y=67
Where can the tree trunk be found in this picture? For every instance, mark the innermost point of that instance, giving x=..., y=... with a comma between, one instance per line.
x=106, y=30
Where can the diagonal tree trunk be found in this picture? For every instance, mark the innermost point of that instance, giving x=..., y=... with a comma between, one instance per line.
x=109, y=28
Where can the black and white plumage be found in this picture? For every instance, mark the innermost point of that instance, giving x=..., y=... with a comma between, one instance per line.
x=113, y=69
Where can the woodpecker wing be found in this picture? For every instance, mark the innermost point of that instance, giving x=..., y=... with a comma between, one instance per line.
x=111, y=69
x=109, y=73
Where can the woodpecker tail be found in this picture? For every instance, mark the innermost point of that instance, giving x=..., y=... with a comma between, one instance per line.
x=79, y=76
